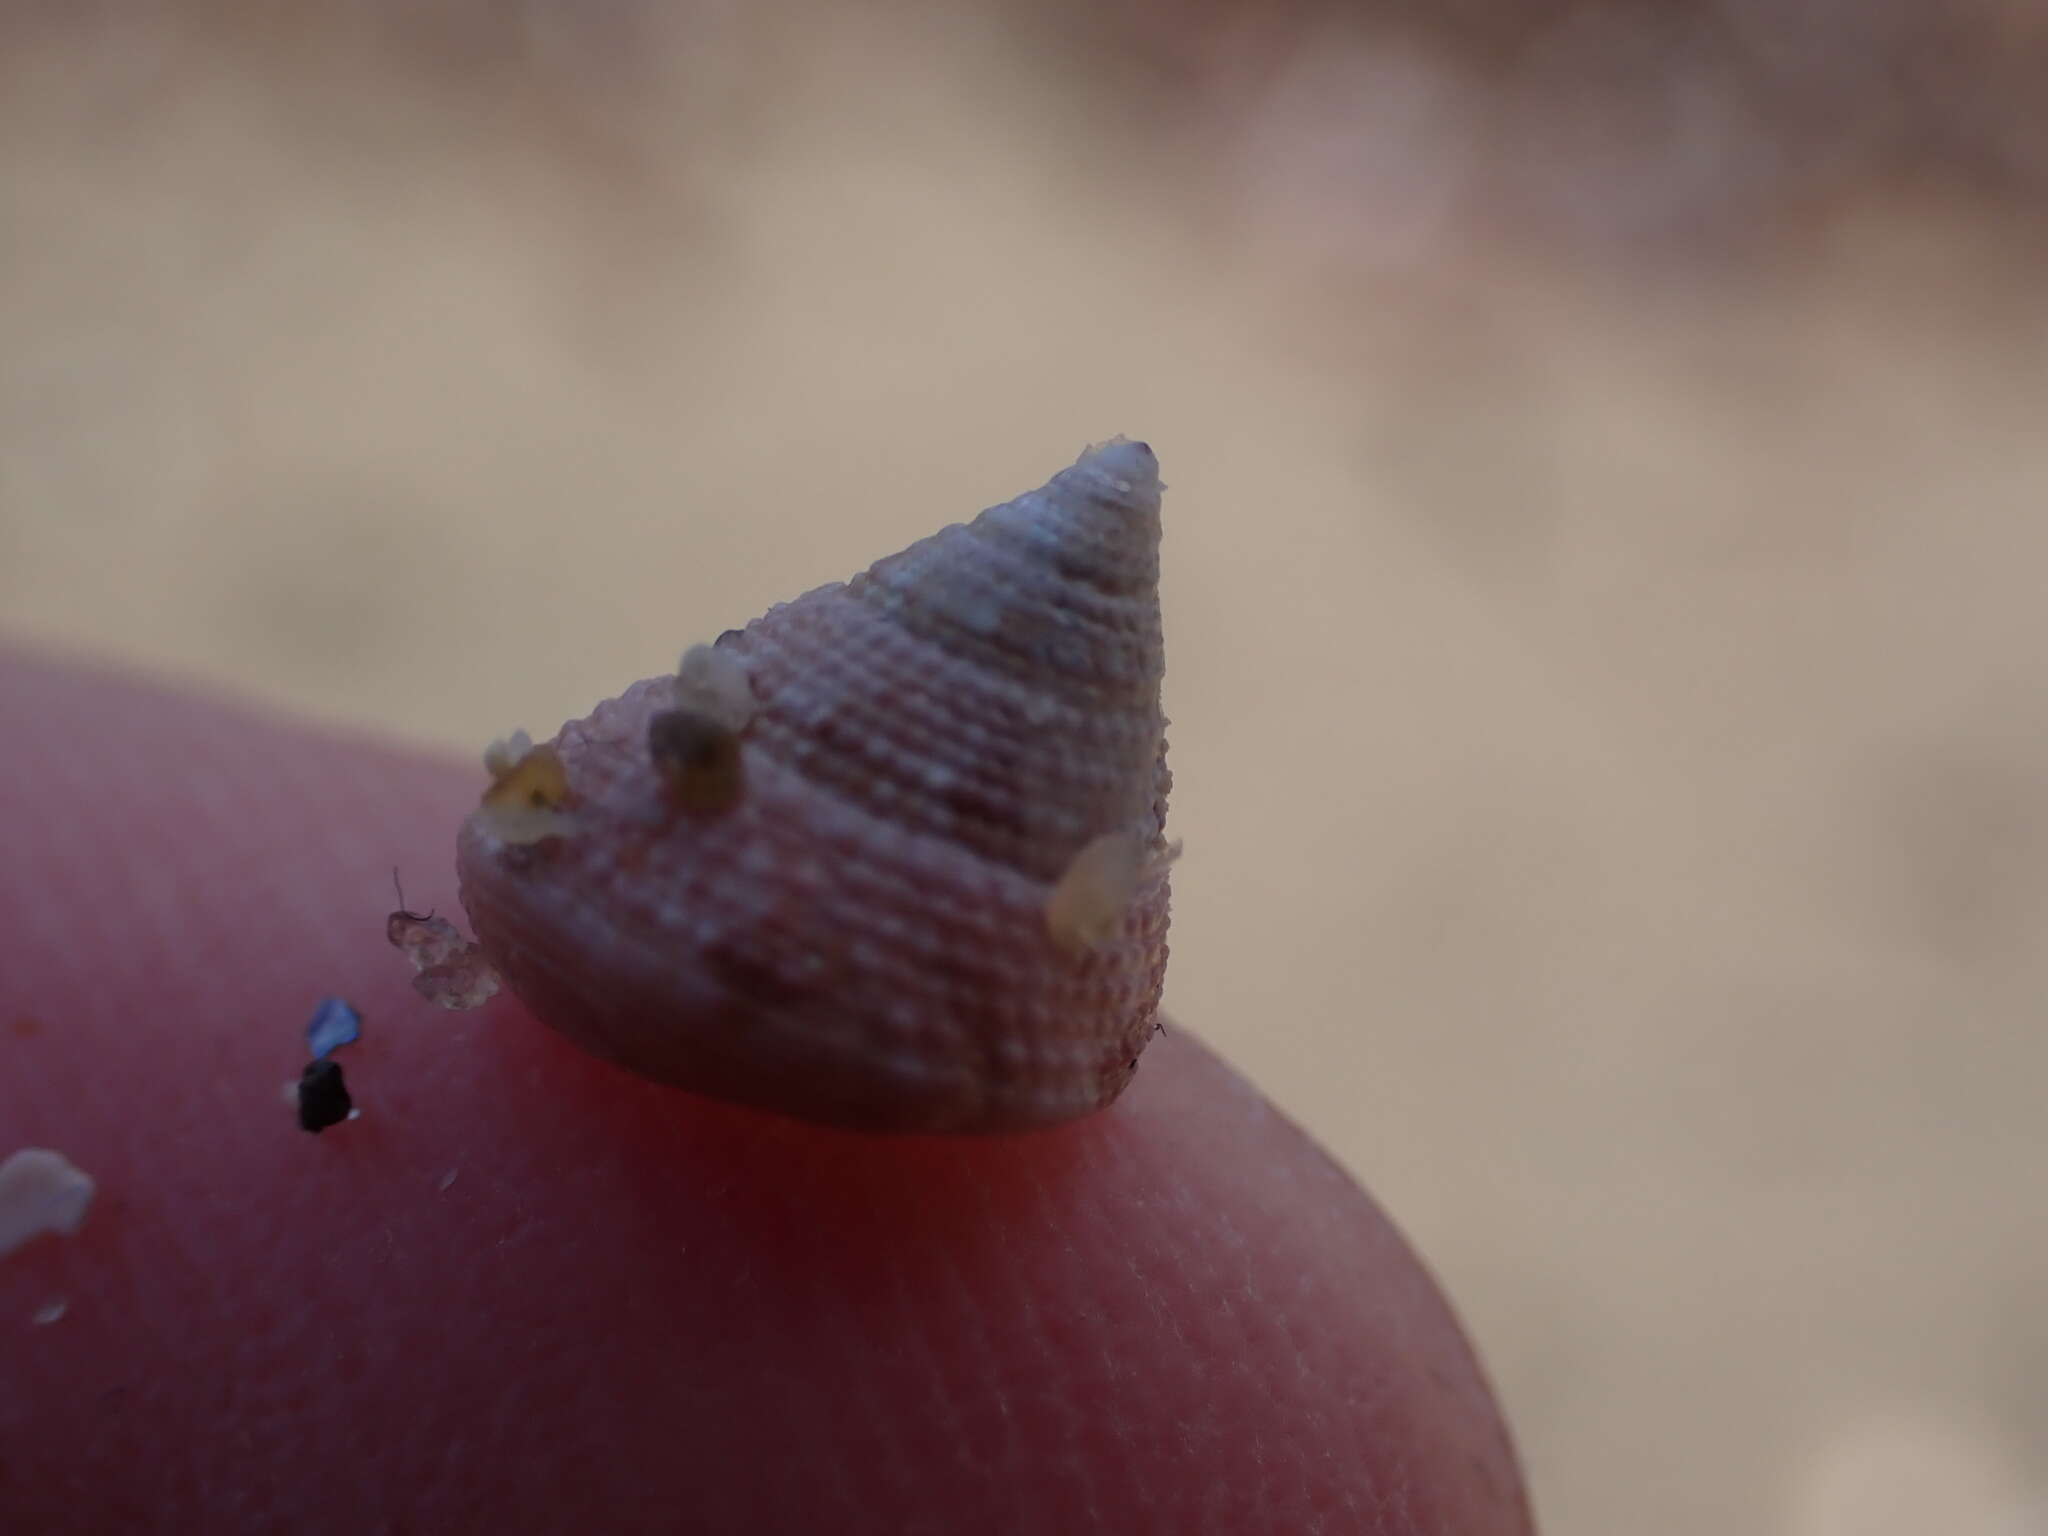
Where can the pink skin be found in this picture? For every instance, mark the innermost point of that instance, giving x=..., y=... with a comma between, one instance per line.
x=633, y=1309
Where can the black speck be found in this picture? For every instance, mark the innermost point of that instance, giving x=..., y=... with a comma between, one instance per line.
x=323, y=1096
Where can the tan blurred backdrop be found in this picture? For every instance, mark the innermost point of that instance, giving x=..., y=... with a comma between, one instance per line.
x=1605, y=572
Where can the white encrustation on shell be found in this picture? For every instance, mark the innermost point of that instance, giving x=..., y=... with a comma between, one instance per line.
x=1089, y=900
x=712, y=681
x=503, y=755
x=866, y=935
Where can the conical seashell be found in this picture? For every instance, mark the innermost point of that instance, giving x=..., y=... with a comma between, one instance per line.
x=861, y=926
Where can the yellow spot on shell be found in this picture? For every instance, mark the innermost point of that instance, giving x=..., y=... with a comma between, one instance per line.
x=529, y=788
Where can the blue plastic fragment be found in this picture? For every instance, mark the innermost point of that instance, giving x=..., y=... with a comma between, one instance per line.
x=334, y=1024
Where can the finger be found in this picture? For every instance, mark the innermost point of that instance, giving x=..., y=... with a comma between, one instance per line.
x=526, y=1291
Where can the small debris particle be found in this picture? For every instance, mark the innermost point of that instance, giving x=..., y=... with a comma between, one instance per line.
x=334, y=1024
x=448, y=970
x=50, y=1312
x=529, y=788
x=41, y=1191
x=468, y=981
x=697, y=759
x=447, y=1179
x=323, y=1096
x=405, y=915
x=425, y=940
x=713, y=682
x=1090, y=900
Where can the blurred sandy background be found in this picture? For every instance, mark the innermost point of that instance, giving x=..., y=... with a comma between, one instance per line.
x=1606, y=565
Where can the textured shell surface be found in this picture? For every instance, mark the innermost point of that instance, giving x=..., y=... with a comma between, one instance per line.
x=860, y=937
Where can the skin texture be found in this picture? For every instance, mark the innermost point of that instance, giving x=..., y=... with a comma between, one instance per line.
x=632, y=1309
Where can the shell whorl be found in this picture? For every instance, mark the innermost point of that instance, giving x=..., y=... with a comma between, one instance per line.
x=861, y=937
